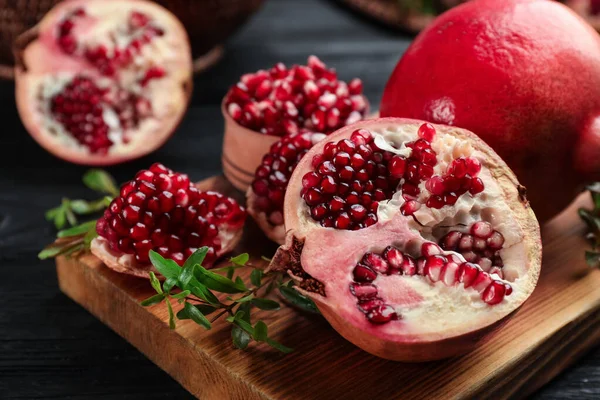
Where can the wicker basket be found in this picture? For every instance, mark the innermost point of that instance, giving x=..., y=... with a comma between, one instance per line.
x=392, y=14
x=208, y=22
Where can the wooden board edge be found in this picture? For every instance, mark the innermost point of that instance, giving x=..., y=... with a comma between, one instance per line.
x=539, y=365
x=146, y=335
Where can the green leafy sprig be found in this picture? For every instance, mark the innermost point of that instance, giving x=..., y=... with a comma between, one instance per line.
x=421, y=6
x=77, y=238
x=592, y=220
x=194, y=287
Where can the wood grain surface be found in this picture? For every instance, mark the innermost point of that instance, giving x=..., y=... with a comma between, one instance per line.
x=556, y=325
x=50, y=347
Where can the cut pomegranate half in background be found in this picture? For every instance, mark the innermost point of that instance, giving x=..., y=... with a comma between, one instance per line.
x=103, y=82
x=161, y=210
x=414, y=240
x=269, y=104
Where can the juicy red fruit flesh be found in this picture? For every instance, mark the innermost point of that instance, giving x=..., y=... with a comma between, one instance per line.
x=161, y=210
x=272, y=176
x=284, y=101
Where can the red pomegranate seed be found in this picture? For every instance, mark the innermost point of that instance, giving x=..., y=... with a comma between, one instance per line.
x=410, y=207
x=450, y=240
x=429, y=249
x=449, y=274
x=494, y=293
x=382, y=315
x=394, y=257
x=362, y=273
x=476, y=186
x=376, y=262
x=433, y=267
x=363, y=291
x=482, y=229
x=427, y=132
x=495, y=241
x=467, y=274
x=435, y=185
x=369, y=305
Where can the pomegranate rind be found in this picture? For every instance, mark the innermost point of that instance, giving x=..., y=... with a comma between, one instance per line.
x=243, y=150
x=37, y=56
x=229, y=236
x=402, y=346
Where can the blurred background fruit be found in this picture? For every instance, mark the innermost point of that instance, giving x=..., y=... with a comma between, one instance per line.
x=209, y=24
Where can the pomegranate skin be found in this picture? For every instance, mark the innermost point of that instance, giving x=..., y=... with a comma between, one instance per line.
x=524, y=75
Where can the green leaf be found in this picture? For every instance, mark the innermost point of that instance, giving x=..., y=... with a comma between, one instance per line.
x=100, y=181
x=218, y=282
x=239, y=337
x=77, y=230
x=265, y=304
x=89, y=236
x=260, y=331
x=276, y=345
x=230, y=272
x=169, y=284
x=70, y=217
x=197, y=316
x=60, y=220
x=240, y=283
x=83, y=207
x=196, y=258
x=168, y=268
x=245, y=299
x=155, y=283
x=181, y=295
x=241, y=259
x=297, y=299
x=50, y=252
x=52, y=213
x=182, y=314
x=186, y=275
x=171, y=315
x=256, y=277
x=157, y=298
x=592, y=258
x=244, y=325
x=202, y=292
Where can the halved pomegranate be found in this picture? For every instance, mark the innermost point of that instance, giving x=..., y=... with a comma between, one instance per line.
x=102, y=82
x=414, y=240
x=161, y=210
x=266, y=105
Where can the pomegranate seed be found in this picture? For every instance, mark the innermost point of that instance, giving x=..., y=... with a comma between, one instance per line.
x=482, y=281
x=433, y=267
x=410, y=207
x=363, y=291
x=495, y=241
x=449, y=274
x=465, y=243
x=494, y=293
x=409, y=267
x=369, y=305
x=467, y=274
x=382, y=314
x=376, y=262
x=394, y=257
x=476, y=186
x=427, y=132
x=362, y=273
x=343, y=221
x=482, y=229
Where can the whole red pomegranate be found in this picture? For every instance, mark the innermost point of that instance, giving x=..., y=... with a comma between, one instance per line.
x=525, y=76
x=414, y=240
x=161, y=210
x=103, y=82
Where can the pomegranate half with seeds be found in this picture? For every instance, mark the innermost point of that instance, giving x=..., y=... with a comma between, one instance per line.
x=414, y=240
x=269, y=104
x=102, y=82
x=161, y=210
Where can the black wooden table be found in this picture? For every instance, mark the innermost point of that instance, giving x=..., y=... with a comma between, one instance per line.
x=52, y=348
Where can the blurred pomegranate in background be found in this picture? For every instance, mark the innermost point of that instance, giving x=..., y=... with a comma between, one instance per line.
x=208, y=23
x=524, y=75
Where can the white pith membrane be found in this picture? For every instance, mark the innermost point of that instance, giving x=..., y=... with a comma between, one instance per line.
x=158, y=103
x=127, y=264
x=427, y=311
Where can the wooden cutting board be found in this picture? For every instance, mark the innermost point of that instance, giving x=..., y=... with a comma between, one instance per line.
x=555, y=326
